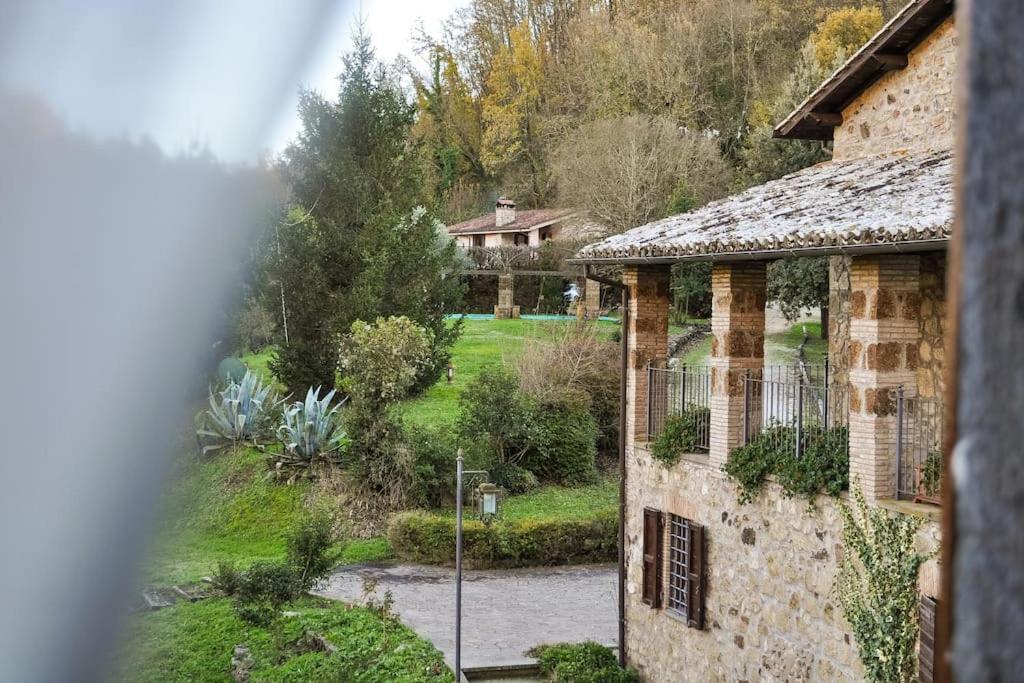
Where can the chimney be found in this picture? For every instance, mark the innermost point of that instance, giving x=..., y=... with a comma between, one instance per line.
x=504, y=212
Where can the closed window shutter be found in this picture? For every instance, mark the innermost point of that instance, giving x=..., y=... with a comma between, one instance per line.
x=652, y=557
x=695, y=580
x=926, y=653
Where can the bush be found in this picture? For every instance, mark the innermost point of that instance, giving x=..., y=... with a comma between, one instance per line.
x=822, y=468
x=262, y=589
x=255, y=327
x=434, y=456
x=587, y=662
x=563, y=444
x=379, y=457
x=513, y=478
x=681, y=434
x=383, y=360
x=309, y=550
x=495, y=419
x=430, y=539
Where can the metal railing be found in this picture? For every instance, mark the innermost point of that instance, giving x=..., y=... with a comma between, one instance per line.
x=795, y=408
x=918, y=448
x=683, y=391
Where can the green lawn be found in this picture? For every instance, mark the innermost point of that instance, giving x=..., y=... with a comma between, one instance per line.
x=483, y=342
x=195, y=642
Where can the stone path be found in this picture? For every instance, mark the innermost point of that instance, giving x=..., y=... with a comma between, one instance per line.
x=504, y=612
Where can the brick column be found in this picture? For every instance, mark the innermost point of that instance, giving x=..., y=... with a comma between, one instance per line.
x=648, y=304
x=592, y=294
x=505, y=308
x=737, y=345
x=885, y=304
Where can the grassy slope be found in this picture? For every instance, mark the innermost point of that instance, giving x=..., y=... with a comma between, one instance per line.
x=225, y=508
x=195, y=642
x=557, y=502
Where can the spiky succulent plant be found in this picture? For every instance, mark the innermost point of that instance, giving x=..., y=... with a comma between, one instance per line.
x=238, y=412
x=311, y=428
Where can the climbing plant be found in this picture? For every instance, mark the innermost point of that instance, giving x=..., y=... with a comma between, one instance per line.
x=877, y=588
x=681, y=434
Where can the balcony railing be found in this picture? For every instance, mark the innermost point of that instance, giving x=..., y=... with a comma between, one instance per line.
x=793, y=409
x=683, y=392
x=918, y=448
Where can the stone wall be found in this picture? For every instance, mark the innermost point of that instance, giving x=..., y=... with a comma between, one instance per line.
x=911, y=109
x=931, y=381
x=769, y=610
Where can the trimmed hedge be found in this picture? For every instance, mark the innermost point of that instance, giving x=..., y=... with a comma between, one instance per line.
x=430, y=539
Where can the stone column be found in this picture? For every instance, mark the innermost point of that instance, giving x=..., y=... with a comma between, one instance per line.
x=505, y=308
x=737, y=346
x=885, y=304
x=592, y=294
x=648, y=304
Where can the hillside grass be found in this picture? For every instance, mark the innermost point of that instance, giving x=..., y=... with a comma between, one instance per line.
x=225, y=507
x=195, y=642
x=779, y=348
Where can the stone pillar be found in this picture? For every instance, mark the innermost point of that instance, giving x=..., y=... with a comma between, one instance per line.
x=505, y=308
x=885, y=304
x=737, y=346
x=648, y=304
x=592, y=294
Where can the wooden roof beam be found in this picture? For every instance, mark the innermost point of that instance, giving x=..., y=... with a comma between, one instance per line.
x=822, y=118
x=890, y=62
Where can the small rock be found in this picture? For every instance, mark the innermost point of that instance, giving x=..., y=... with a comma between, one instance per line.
x=241, y=664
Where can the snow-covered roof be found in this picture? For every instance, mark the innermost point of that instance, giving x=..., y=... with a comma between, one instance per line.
x=890, y=202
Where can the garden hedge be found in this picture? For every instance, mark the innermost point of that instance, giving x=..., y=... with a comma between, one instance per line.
x=430, y=539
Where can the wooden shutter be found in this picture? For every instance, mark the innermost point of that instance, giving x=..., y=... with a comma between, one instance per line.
x=653, y=528
x=695, y=578
x=926, y=653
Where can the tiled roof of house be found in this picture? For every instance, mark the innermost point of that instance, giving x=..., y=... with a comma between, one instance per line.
x=525, y=220
x=860, y=205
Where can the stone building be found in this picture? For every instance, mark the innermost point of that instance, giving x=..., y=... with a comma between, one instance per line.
x=508, y=227
x=715, y=590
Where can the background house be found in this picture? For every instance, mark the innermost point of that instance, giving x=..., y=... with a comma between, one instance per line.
x=717, y=590
x=508, y=226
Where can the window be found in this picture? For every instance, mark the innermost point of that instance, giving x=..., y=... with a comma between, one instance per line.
x=686, y=570
x=478, y=240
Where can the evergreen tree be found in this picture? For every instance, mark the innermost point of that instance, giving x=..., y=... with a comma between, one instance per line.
x=359, y=243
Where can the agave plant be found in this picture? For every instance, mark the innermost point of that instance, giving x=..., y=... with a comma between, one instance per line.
x=238, y=411
x=311, y=427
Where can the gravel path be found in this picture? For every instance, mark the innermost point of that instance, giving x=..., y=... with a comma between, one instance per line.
x=504, y=612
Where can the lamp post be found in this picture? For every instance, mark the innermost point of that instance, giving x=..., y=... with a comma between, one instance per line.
x=488, y=496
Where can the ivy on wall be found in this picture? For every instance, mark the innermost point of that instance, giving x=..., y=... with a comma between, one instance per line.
x=877, y=588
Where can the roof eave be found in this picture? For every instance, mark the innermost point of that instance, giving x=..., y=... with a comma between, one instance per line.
x=909, y=246
x=821, y=112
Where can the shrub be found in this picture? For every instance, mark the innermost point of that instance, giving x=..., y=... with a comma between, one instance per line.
x=931, y=473
x=513, y=478
x=383, y=360
x=587, y=662
x=823, y=466
x=311, y=428
x=428, y=538
x=434, y=456
x=681, y=434
x=309, y=550
x=573, y=357
x=495, y=419
x=255, y=327
x=379, y=457
x=239, y=412
x=227, y=579
x=563, y=443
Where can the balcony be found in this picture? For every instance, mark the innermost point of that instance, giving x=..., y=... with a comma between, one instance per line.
x=918, y=448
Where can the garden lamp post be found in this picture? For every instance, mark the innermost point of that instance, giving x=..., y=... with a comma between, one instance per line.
x=451, y=373
x=488, y=496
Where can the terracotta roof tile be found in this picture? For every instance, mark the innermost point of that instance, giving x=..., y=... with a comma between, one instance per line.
x=525, y=220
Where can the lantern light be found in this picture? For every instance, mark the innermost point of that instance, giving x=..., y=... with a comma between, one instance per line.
x=451, y=373
x=488, y=500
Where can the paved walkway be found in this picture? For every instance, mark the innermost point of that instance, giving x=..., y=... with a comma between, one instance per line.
x=504, y=612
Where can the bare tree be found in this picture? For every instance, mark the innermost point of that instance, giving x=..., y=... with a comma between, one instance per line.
x=627, y=171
